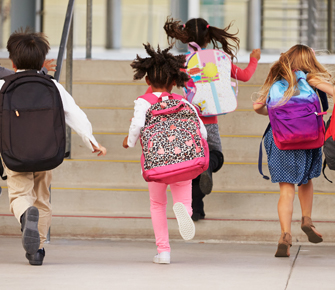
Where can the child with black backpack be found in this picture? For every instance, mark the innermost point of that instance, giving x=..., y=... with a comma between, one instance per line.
x=293, y=141
x=34, y=109
x=198, y=34
x=170, y=138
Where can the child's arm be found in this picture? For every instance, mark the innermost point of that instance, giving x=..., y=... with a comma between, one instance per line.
x=323, y=86
x=260, y=108
x=245, y=74
x=101, y=149
x=137, y=122
x=49, y=65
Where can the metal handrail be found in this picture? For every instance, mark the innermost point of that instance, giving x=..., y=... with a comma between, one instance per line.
x=65, y=35
x=67, y=30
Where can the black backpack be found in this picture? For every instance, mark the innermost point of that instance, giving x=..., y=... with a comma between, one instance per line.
x=329, y=147
x=32, y=123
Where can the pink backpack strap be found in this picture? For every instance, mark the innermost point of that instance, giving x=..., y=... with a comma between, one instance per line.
x=152, y=99
x=194, y=44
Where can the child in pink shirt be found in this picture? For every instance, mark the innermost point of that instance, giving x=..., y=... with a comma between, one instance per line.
x=199, y=31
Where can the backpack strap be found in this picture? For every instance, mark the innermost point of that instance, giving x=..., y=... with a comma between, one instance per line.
x=324, y=100
x=260, y=155
x=153, y=99
x=193, y=44
x=323, y=170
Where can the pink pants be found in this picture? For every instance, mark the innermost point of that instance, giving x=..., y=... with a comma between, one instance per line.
x=181, y=192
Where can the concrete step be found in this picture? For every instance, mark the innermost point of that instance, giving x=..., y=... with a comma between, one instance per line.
x=113, y=94
x=102, y=202
x=234, y=148
x=141, y=228
x=127, y=174
x=237, y=123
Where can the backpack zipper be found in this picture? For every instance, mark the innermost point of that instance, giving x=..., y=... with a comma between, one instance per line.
x=17, y=113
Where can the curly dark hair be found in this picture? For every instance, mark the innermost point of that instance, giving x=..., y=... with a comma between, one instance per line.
x=199, y=31
x=162, y=67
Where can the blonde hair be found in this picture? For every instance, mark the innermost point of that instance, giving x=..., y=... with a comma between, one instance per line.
x=298, y=58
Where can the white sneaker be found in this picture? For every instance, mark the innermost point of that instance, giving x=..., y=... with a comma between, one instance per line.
x=185, y=223
x=162, y=258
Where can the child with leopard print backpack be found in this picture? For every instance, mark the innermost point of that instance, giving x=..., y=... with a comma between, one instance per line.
x=173, y=143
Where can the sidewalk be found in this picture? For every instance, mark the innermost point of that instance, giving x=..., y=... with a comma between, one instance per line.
x=108, y=264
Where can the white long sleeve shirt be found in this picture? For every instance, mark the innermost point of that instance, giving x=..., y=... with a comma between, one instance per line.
x=74, y=116
x=138, y=121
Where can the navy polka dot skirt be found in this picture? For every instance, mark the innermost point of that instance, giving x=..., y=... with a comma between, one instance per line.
x=292, y=166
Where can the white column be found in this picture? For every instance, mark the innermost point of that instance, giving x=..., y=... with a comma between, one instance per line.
x=193, y=9
x=254, y=24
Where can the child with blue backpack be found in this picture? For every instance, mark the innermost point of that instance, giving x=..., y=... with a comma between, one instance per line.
x=198, y=34
x=171, y=132
x=294, y=139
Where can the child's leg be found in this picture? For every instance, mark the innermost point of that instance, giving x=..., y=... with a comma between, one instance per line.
x=20, y=192
x=182, y=200
x=42, y=181
x=305, y=193
x=158, y=202
x=182, y=192
x=285, y=206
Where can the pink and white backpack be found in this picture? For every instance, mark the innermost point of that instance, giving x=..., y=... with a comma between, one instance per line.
x=173, y=149
x=210, y=88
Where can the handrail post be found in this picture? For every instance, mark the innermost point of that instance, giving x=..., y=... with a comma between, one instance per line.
x=65, y=41
x=312, y=23
x=66, y=29
x=330, y=26
x=68, y=80
x=89, y=29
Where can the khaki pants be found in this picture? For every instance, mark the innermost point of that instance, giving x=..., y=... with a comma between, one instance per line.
x=27, y=189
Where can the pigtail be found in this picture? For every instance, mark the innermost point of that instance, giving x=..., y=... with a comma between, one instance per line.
x=175, y=30
x=230, y=43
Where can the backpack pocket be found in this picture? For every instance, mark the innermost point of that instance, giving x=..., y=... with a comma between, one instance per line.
x=31, y=135
x=294, y=124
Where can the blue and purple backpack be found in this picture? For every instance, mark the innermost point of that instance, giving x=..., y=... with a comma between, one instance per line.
x=297, y=124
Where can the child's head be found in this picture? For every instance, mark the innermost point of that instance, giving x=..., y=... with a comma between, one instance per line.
x=198, y=30
x=27, y=49
x=162, y=69
x=298, y=58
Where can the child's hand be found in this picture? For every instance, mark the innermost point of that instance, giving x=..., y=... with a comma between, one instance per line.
x=101, y=149
x=125, y=142
x=256, y=53
x=49, y=65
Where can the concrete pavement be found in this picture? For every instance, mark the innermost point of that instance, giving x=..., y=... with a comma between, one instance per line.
x=121, y=264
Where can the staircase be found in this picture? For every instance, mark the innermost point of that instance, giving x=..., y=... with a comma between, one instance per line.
x=94, y=197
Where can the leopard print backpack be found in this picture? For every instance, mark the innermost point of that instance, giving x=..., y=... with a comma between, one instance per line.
x=173, y=149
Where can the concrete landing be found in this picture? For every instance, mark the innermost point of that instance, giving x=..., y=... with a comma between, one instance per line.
x=108, y=264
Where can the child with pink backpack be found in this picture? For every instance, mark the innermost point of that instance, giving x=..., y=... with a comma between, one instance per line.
x=210, y=87
x=294, y=138
x=173, y=143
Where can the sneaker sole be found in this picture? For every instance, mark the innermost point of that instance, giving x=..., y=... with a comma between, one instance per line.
x=185, y=223
x=205, y=183
x=30, y=234
x=161, y=261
